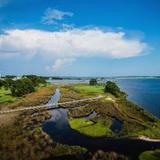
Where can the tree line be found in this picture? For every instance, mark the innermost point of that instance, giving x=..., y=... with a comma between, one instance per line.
x=25, y=85
x=110, y=87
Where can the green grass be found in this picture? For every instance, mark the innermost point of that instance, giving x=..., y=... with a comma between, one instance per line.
x=5, y=96
x=85, y=88
x=150, y=155
x=89, y=128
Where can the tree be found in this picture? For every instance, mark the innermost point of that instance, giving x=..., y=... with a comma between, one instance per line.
x=36, y=80
x=10, y=76
x=93, y=82
x=8, y=82
x=22, y=86
x=1, y=83
x=112, y=88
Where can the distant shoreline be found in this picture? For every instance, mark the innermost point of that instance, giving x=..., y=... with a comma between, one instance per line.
x=107, y=78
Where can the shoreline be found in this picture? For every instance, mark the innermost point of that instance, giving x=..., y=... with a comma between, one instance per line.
x=148, y=139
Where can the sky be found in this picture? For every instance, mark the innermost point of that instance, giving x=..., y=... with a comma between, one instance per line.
x=80, y=38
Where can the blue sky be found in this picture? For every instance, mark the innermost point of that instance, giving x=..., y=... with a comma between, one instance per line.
x=80, y=38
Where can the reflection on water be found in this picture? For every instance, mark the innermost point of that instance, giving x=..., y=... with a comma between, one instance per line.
x=116, y=125
x=55, y=98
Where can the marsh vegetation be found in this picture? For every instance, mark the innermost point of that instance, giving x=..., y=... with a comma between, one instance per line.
x=136, y=121
x=23, y=134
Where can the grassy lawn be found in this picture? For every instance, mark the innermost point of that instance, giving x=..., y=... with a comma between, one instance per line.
x=89, y=128
x=5, y=96
x=85, y=88
x=150, y=155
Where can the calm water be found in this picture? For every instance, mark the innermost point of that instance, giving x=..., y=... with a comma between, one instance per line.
x=116, y=125
x=68, y=81
x=145, y=92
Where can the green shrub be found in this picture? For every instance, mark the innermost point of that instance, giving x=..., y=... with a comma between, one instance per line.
x=36, y=80
x=150, y=155
x=112, y=88
x=1, y=83
x=21, y=87
x=7, y=83
x=93, y=82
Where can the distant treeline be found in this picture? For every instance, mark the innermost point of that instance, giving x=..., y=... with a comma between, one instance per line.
x=14, y=76
x=46, y=77
x=26, y=84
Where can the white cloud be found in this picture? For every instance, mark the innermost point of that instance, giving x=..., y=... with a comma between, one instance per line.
x=64, y=46
x=59, y=63
x=53, y=15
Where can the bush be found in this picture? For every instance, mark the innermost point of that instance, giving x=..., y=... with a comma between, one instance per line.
x=22, y=87
x=93, y=82
x=36, y=80
x=112, y=88
x=7, y=83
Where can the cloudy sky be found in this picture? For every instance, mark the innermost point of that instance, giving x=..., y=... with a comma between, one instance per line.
x=80, y=38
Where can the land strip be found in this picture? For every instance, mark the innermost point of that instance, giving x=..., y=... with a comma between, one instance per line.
x=49, y=106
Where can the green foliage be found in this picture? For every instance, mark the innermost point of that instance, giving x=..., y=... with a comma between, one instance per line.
x=64, y=150
x=88, y=89
x=1, y=83
x=93, y=82
x=10, y=76
x=8, y=82
x=90, y=128
x=80, y=122
x=112, y=88
x=101, y=155
x=150, y=155
x=56, y=78
x=152, y=131
x=5, y=96
x=36, y=80
x=22, y=87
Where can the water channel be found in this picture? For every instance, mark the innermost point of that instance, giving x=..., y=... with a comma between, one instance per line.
x=58, y=128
